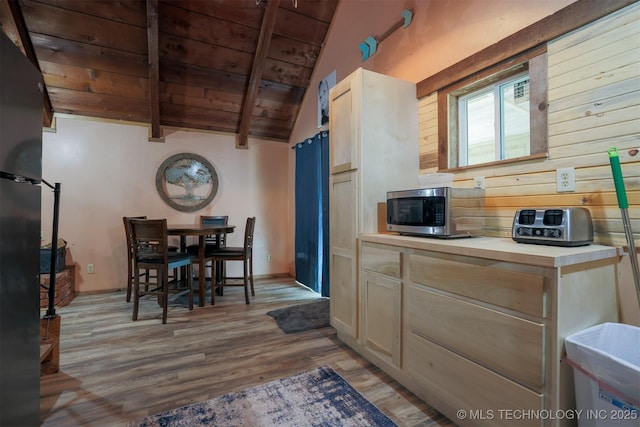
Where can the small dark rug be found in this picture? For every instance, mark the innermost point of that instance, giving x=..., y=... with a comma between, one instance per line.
x=319, y=397
x=302, y=317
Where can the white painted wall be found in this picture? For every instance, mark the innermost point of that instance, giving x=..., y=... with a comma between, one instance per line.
x=107, y=171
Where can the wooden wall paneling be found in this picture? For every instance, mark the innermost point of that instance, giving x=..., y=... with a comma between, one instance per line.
x=100, y=105
x=323, y=11
x=594, y=151
x=268, y=108
x=228, y=10
x=131, y=12
x=280, y=92
x=614, y=27
x=428, y=133
x=171, y=92
x=291, y=24
x=174, y=72
x=189, y=24
x=587, y=69
x=538, y=102
x=279, y=71
x=269, y=128
x=94, y=81
x=293, y=52
x=616, y=122
x=194, y=52
x=593, y=91
x=221, y=121
x=89, y=29
x=102, y=58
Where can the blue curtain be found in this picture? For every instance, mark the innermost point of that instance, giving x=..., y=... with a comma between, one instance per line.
x=312, y=213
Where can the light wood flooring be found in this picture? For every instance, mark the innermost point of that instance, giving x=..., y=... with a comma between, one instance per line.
x=114, y=370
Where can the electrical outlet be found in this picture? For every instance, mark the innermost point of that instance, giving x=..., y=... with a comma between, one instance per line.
x=268, y=257
x=478, y=182
x=91, y=269
x=566, y=179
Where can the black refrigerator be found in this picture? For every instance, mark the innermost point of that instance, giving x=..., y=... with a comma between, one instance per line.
x=20, y=205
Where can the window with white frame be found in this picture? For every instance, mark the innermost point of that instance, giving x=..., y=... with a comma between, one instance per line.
x=493, y=122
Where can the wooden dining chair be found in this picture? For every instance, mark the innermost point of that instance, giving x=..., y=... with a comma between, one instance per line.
x=129, y=236
x=212, y=241
x=244, y=254
x=151, y=252
x=130, y=252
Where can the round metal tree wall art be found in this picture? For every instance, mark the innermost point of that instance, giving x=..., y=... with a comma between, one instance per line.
x=187, y=182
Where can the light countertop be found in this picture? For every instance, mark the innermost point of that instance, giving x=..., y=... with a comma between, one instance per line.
x=501, y=249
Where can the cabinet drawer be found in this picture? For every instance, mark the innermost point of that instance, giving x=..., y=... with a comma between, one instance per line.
x=515, y=290
x=468, y=386
x=380, y=260
x=501, y=342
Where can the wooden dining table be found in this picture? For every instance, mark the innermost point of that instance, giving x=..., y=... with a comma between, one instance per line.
x=201, y=231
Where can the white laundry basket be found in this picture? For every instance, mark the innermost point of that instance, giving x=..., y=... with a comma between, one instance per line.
x=606, y=372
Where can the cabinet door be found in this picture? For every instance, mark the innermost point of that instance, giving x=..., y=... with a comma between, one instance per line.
x=343, y=235
x=381, y=315
x=343, y=126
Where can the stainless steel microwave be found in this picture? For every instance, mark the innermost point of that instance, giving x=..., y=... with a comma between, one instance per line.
x=441, y=212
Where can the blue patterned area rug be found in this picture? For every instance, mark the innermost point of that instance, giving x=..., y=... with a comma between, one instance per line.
x=320, y=397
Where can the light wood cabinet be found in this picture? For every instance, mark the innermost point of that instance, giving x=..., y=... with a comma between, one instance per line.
x=373, y=134
x=479, y=324
x=381, y=302
x=343, y=268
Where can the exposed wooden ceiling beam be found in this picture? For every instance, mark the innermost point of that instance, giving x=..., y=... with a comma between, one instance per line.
x=22, y=35
x=264, y=40
x=154, y=64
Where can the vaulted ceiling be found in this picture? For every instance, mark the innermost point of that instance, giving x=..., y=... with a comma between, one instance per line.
x=238, y=66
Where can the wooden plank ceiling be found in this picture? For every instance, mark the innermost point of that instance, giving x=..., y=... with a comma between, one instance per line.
x=237, y=66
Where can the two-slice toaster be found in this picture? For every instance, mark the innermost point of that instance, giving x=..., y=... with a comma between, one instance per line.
x=553, y=226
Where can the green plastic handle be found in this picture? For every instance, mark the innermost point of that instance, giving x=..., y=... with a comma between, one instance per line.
x=617, y=178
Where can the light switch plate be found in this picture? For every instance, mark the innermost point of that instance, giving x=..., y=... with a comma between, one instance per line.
x=478, y=182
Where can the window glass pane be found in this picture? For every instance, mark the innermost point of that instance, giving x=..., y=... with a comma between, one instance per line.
x=481, y=129
x=515, y=118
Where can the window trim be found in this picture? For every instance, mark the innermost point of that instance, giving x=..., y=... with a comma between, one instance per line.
x=536, y=61
x=495, y=88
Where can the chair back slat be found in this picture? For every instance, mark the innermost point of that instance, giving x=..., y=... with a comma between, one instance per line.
x=128, y=231
x=150, y=239
x=248, y=235
x=212, y=239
